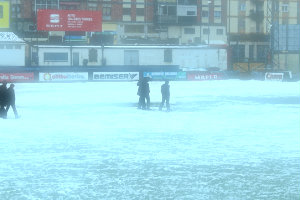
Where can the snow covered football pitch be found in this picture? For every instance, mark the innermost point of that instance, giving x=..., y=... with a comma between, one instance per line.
x=222, y=140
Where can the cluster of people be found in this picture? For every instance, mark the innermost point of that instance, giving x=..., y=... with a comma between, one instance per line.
x=144, y=94
x=7, y=100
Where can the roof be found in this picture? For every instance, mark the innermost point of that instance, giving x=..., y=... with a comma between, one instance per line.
x=9, y=37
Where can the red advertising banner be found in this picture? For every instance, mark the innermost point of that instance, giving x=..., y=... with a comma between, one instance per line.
x=17, y=77
x=69, y=20
x=203, y=76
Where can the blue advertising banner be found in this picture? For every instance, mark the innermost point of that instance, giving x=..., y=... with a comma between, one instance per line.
x=166, y=75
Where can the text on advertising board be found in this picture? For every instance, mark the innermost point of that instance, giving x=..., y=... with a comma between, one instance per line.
x=269, y=76
x=69, y=20
x=17, y=77
x=63, y=76
x=115, y=76
x=203, y=76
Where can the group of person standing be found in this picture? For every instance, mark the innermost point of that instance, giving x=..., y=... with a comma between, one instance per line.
x=144, y=94
x=7, y=100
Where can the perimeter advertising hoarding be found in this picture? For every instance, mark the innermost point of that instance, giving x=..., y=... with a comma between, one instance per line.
x=115, y=76
x=4, y=14
x=63, y=76
x=69, y=20
x=166, y=75
x=204, y=76
x=17, y=77
x=274, y=76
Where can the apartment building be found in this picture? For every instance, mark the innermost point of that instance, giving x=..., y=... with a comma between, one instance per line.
x=260, y=31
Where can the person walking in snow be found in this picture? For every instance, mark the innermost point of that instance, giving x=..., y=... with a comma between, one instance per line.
x=165, y=93
x=11, y=100
x=3, y=99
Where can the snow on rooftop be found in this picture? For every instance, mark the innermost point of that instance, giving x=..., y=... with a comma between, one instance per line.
x=9, y=37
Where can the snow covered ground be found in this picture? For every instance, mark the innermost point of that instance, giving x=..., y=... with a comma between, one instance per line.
x=223, y=140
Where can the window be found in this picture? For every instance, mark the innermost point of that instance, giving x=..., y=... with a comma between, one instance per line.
x=241, y=25
x=134, y=29
x=217, y=14
x=106, y=12
x=204, y=13
x=168, y=55
x=219, y=31
x=238, y=53
x=191, y=13
x=140, y=11
x=262, y=51
x=93, y=56
x=189, y=31
x=55, y=57
x=205, y=31
x=126, y=11
x=1, y=11
x=242, y=6
x=9, y=46
x=251, y=52
x=285, y=7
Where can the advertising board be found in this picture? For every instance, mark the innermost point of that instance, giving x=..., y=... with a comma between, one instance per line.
x=63, y=76
x=274, y=76
x=115, y=76
x=69, y=20
x=4, y=14
x=17, y=77
x=165, y=75
x=204, y=76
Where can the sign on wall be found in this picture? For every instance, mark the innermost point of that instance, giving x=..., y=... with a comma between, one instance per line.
x=116, y=76
x=69, y=20
x=17, y=77
x=63, y=76
x=4, y=14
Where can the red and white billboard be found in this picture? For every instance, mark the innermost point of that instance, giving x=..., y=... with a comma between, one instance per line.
x=17, y=77
x=69, y=20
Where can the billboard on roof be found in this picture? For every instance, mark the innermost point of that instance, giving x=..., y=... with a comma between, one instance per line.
x=4, y=14
x=69, y=20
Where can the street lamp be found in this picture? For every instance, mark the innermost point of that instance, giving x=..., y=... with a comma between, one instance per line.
x=208, y=3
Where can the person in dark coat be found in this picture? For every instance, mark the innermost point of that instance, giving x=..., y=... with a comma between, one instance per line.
x=143, y=92
x=139, y=92
x=165, y=93
x=3, y=99
x=12, y=100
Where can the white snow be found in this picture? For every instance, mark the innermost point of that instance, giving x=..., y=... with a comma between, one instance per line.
x=223, y=140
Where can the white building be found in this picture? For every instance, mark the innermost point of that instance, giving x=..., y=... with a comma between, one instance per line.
x=186, y=57
x=12, y=50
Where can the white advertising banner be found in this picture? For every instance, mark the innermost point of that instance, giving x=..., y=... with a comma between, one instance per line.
x=116, y=76
x=274, y=76
x=63, y=76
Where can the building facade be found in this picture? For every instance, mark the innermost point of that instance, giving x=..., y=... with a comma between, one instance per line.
x=259, y=33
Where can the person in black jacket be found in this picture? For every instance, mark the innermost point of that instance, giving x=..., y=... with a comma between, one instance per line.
x=11, y=100
x=143, y=92
x=3, y=99
x=165, y=93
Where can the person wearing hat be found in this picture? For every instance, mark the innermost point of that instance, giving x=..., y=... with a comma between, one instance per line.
x=12, y=100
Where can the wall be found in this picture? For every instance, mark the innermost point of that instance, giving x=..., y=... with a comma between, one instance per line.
x=186, y=57
x=12, y=54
